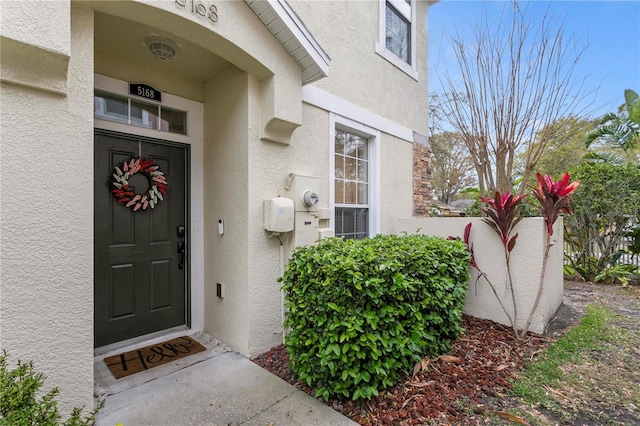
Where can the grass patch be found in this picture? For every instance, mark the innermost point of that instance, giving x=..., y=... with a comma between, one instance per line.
x=587, y=375
x=593, y=331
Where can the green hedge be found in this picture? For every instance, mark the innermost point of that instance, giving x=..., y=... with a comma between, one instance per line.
x=361, y=313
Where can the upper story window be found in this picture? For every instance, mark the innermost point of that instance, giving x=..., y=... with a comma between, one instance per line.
x=398, y=29
x=397, y=34
x=123, y=109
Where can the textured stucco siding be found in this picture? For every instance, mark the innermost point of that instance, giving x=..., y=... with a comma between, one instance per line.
x=225, y=196
x=46, y=239
x=526, y=265
x=40, y=23
x=270, y=164
x=348, y=32
x=47, y=160
x=307, y=155
x=396, y=181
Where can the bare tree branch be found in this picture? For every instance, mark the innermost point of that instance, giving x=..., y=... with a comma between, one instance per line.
x=516, y=80
x=451, y=168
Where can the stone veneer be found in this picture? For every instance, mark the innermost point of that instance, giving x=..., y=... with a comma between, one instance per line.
x=422, y=193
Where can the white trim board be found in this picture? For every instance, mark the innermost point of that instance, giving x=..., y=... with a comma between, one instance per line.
x=325, y=100
x=373, y=135
x=292, y=34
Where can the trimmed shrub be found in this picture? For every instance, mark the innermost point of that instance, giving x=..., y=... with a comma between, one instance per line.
x=23, y=402
x=361, y=313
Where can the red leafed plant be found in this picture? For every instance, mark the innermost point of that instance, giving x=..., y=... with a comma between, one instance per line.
x=554, y=198
x=503, y=214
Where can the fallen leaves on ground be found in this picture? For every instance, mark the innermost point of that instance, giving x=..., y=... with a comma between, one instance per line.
x=450, y=389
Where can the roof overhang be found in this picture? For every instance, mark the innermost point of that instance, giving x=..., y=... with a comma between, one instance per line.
x=290, y=31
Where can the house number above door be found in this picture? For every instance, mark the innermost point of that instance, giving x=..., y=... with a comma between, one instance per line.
x=145, y=91
x=200, y=8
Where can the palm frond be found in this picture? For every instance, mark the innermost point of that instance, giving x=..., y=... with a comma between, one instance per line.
x=606, y=157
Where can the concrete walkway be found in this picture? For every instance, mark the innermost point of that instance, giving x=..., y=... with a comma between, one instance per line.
x=227, y=389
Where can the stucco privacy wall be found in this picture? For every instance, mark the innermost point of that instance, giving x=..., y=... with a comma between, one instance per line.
x=526, y=264
x=46, y=238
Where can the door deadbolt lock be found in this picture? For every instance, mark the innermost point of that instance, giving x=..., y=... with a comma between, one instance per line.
x=181, y=252
x=181, y=231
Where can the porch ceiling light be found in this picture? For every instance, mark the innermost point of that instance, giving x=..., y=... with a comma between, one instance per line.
x=161, y=48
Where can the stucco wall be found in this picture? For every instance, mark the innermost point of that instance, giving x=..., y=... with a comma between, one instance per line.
x=226, y=143
x=526, y=264
x=360, y=75
x=44, y=24
x=307, y=155
x=269, y=165
x=36, y=45
x=396, y=181
x=46, y=239
x=238, y=37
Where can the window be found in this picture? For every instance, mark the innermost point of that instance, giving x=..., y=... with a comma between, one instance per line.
x=354, y=182
x=398, y=31
x=397, y=34
x=122, y=109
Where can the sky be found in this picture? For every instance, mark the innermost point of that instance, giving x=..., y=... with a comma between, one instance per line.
x=610, y=31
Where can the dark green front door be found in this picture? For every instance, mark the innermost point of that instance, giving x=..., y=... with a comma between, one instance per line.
x=141, y=256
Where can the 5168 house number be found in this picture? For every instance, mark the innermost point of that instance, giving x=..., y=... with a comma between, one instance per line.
x=208, y=11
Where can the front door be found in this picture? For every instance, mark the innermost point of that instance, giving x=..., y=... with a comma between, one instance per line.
x=140, y=236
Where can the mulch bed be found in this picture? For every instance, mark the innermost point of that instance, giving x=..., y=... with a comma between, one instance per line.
x=450, y=390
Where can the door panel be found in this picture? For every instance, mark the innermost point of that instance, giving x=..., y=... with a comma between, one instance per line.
x=121, y=290
x=140, y=286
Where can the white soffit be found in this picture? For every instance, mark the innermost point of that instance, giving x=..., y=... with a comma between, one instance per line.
x=292, y=34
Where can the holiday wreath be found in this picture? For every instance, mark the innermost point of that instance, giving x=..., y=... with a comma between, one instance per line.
x=124, y=193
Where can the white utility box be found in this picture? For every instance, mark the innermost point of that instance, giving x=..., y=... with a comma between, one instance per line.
x=304, y=192
x=278, y=214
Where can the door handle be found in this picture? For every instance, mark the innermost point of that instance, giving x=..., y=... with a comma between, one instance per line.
x=181, y=250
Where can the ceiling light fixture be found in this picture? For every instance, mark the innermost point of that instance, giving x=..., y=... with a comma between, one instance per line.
x=161, y=48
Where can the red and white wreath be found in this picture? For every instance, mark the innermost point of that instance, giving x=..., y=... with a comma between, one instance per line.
x=124, y=193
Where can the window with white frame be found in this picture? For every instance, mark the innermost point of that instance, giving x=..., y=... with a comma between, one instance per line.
x=398, y=28
x=126, y=110
x=397, y=34
x=352, y=215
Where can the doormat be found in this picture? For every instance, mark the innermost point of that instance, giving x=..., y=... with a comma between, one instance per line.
x=132, y=362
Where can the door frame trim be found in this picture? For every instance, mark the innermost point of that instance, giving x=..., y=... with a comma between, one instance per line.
x=187, y=207
x=195, y=139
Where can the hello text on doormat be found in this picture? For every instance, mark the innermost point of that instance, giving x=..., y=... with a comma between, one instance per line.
x=128, y=363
